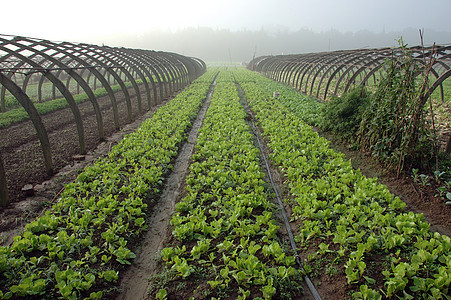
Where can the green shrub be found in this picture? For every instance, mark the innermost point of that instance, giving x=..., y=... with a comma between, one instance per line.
x=342, y=115
x=395, y=127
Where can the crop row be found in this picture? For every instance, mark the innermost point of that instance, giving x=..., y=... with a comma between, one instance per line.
x=77, y=248
x=225, y=240
x=348, y=222
x=308, y=109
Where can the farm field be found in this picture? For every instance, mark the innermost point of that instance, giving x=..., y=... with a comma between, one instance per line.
x=20, y=141
x=226, y=238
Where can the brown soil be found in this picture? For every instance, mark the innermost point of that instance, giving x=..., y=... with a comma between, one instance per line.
x=22, y=156
x=22, y=152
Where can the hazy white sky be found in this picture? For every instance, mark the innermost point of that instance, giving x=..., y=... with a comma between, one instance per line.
x=88, y=20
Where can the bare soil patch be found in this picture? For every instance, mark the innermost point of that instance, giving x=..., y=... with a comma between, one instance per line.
x=24, y=164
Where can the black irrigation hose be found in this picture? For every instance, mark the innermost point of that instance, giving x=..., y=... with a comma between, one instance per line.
x=285, y=218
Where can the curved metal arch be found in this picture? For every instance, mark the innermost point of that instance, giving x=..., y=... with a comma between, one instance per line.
x=155, y=71
x=60, y=86
x=69, y=51
x=353, y=63
x=183, y=71
x=328, y=66
x=19, y=63
x=163, y=74
x=347, y=65
x=371, y=64
x=199, y=65
x=323, y=60
x=437, y=83
x=255, y=64
x=86, y=50
x=3, y=95
x=94, y=52
x=333, y=65
x=294, y=76
x=148, y=70
x=350, y=80
x=267, y=67
x=285, y=72
x=339, y=67
x=280, y=69
x=184, y=65
x=180, y=68
x=137, y=68
x=275, y=69
x=289, y=71
x=305, y=66
x=80, y=72
x=270, y=68
x=302, y=63
x=172, y=78
x=115, y=58
x=262, y=66
x=191, y=68
x=173, y=71
x=158, y=71
x=71, y=74
x=284, y=69
x=35, y=118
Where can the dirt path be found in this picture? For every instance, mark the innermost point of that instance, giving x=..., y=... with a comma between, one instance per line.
x=135, y=281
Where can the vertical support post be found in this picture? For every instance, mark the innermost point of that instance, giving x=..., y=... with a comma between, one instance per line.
x=35, y=118
x=3, y=100
x=4, y=201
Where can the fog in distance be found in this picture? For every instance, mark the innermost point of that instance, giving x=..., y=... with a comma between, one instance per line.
x=232, y=30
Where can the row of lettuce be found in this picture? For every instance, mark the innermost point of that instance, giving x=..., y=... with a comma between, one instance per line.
x=225, y=238
x=349, y=224
x=77, y=248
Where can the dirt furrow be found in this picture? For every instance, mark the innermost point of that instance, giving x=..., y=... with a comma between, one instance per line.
x=135, y=281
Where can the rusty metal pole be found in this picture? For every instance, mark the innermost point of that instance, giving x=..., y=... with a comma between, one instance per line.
x=4, y=201
x=35, y=118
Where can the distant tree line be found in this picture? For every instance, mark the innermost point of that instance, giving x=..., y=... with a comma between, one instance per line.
x=224, y=45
